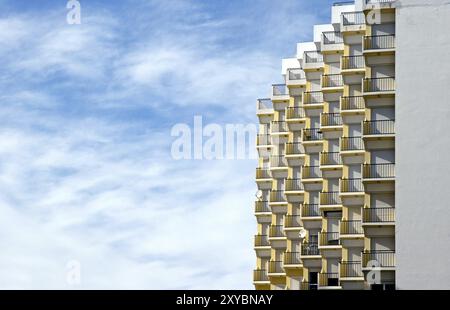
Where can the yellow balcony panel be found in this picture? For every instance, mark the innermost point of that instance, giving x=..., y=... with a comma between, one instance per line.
x=263, y=212
x=351, y=229
x=262, y=246
x=330, y=160
x=280, y=94
x=295, y=78
x=352, y=105
x=260, y=277
x=353, y=23
x=329, y=241
x=276, y=269
x=278, y=202
x=329, y=281
x=380, y=259
x=311, y=212
x=379, y=45
x=330, y=201
x=351, y=271
x=331, y=122
x=332, y=83
x=312, y=61
x=292, y=260
x=308, y=286
x=292, y=222
x=379, y=87
x=263, y=179
x=311, y=174
x=295, y=118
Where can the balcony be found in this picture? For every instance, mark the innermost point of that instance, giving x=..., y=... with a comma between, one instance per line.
x=351, y=229
x=353, y=105
x=260, y=276
x=312, y=135
x=278, y=166
x=378, y=171
x=263, y=179
x=331, y=122
x=379, y=86
x=312, y=60
x=295, y=154
x=379, y=128
x=264, y=107
x=308, y=286
x=329, y=239
x=279, y=128
x=292, y=221
x=262, y=208
x=354, y=22
x=263, y=140
x=353, y=63
x=311, y=212
x=351, y=270
x=330, y=159
x=351, y=186
x=277, y=196
x=311, y=173
x=295, y=78
x=332, y=41
x=313, y=99
x=379, y=216
x=330, y=200
x=296, y=118
x=384, y=259
x=292, y=260
x=310, y=250
x=379, y=43
x=262, y=246
x=276, y=269
x=276, y=231
x=294, y=190
x=332, y=83
x=379, y=4
x=280, y=93
x=329, y=280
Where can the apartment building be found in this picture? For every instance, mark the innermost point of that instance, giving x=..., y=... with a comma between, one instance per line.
x=325, y=207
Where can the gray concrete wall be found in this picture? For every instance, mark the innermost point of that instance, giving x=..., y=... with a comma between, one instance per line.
x=423, y=144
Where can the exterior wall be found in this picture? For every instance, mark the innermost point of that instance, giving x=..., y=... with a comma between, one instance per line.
x=423, y=144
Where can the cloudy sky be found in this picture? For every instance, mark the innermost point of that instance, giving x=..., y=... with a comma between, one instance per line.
x=86, y=111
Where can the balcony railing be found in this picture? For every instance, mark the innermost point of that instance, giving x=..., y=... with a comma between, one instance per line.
x=280, y=90
x=352, y=144
x=379, y=84
x=263, y=173
x=277, y=196
x=292, y=221
x=353, y=62
x=329, y=238
x=330, y=198
x=262, y=207
x=276, y=267
x=312, y=134
x=278, y=161
x=276, y=231
x=352, y=103
x=294, y=185
x=263, y=139
x=311, y=172
x=308, y=286
x=330, y=159
x=332, y=80
x=379, y=215
x=382, y=127
x=265, y=104
x=351, y=227
x=378, y=171
x=383, y=258
x=294, y=148
x=260, y=275
x=312, y=97
x=353, y=18
x=295, y=113
x=279, y=127
x=310, y=210
x=379, y=1
x=313, y=57
x=351, y=186
x=329, y=279
x=330, y=119
x=379, y=42
x=310, y=249
x=296, y=74
x=261, y=240
x=292, y=258
x=350, y=269
x=332, y=37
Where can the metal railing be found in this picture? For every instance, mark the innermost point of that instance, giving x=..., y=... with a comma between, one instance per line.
x=353, y=18
x=313, y=57
x=332, y=80
x=310, y=249
x=351, y=185
x=384, y=258
x=277, y=196
x=378, y=171
x=332, y=37
x=293, y=185
x=296, y=74
x=280, y=90
x=379, y=84
x=329, y=279
x=292, y=258
x=350, y=269
x=353, y=227
x=292, y=221
x=353, y=62
x=265, y=104
x=294, y=148
x=379, y=215
x=351, y=144
x=308, y=286
x=312, y=97
x=261, y=240
x=260, y=275
x=330, y=159
x=379, y=1
x=379, y=42
x=382, y=127
x=278, y=161
x=263, y=139
x=295, y=113
x=311, y=172
x=276, y=231
x=262, y=207
x=276, y=266
x=352, y=103
x=263, y=173
x=330, y=119
x=329, y=238
x=330, y=198
x=279, y=127
x=312, y=134
x=310, y=210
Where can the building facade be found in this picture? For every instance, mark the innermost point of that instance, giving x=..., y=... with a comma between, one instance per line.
x=325, y=205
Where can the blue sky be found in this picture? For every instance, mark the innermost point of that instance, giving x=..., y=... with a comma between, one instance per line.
x=85, y=118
